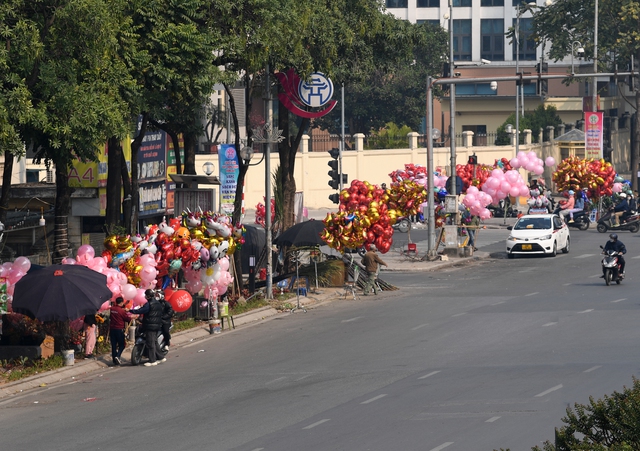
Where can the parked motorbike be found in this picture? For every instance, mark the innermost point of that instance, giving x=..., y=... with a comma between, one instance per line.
x=403, y=225
x=611, y=267
x=498, y=211
x=140, y=349
x=628, y=221
x=580, y=219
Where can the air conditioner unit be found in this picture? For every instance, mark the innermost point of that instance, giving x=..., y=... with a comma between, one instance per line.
x=50, y=176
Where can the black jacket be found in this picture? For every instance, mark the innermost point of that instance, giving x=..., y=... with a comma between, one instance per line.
x=152, y=311
x=617, y=246
x=167, y=312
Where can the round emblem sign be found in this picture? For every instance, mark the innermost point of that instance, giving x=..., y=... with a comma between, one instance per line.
x=317, y=91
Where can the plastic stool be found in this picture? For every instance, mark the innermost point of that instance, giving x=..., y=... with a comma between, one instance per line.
x=229, y=319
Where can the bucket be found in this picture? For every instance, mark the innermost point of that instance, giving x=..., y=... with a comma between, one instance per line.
x=68, y=355
x=223, y=308
x=217, y=327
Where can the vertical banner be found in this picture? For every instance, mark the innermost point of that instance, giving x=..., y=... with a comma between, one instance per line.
x=593, y=134
x=229, y=171
x=3, y=297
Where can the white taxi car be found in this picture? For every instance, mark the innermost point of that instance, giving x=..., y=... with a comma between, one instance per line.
x=538, y=234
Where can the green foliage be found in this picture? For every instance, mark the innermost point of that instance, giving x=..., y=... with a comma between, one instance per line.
x=17, y=369
x=389, y=137
x=540, y=118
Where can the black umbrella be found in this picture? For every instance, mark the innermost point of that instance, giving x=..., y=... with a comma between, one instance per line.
x=302, y=234
x=60, y=293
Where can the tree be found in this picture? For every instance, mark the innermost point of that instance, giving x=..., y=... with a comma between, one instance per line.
x=540, y=118
x=563, y=23
x=63, y=62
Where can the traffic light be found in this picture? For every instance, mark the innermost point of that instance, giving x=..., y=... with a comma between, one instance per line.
x=334, y=173
x=335, y=198
x=473, y=159
x=446, y=73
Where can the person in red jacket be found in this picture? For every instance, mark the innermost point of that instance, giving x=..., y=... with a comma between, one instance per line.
x=119, y=316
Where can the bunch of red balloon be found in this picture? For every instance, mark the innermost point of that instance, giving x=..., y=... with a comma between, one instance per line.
x=596, y=176
x=414, y=172
x=405, y=198
x=473, y=175
x=364, y=218
x=261, y=212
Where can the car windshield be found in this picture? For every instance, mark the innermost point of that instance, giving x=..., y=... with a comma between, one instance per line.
x=533, y=224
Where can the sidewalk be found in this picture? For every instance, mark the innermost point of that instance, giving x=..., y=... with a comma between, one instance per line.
x=395, y=260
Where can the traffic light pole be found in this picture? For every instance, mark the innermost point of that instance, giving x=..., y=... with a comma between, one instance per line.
x=341, y=139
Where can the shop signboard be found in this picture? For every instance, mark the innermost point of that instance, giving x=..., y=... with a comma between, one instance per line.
x=151, y=157
x=229, y=171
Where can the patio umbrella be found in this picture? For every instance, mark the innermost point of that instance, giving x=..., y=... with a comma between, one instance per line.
x=60, y=293
x=302, y=234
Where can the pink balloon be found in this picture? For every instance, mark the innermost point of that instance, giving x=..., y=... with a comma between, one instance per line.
x=115, y=288
x=473, y=190
x=515, y=163
x=222, y=289
x=148, y=273
x=139, y=298
x=617, y=187
x=532, y=155
x=129, y=292
x=22, y=263
x=14, y=275
x=69, y=261
x=194, y=287
x=538, y=170
x=515, y=191
x=86, y=251
x=497, y=173
x=10, y=289
x=550, y=161
x=505, y=186
x=105, y=306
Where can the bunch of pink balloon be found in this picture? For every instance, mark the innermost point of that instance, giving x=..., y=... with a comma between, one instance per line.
x=502, y=184
x=13, y=272
x=418, y=174
x=476, y=201
x=214, y=277
x=531, y=162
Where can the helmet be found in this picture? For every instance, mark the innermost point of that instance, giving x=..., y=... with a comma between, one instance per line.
x=614, y=236
x=571, y=193
x=623, y=195
x=149, y=293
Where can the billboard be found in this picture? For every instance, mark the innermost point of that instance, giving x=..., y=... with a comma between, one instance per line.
x=229, y=172
x=594, y=130
x=153, y=199
x=152, y=157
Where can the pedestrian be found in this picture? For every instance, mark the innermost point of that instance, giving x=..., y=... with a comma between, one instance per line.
x=118, y=317
x=472, y=229
x=89, y=326
x=167, y=315
x=567, y=206
x=152, y=324
x=370, y=261
x=578, y=205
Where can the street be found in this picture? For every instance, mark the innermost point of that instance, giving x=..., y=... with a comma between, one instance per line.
x=478, y=357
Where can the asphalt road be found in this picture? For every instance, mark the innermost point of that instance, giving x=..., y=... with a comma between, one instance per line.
x=479, y=357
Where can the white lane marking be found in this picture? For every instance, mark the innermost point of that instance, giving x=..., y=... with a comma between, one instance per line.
x=276, y=380
x=458, y=314
x=443, y=446
x=546, y=392
x=532, y=294
x=618, y=300
x=567, y=284
x=492, y=419
x=584, y=256
x=257, y=449
x=427, y=375
x=351, y=319
x=593, y=368
x=317, y=423
x=528, y=270
x=375, y=398
x=637, y=256
x=593, y=277
x=498, y=303
x=586, y=311
x=419, y=327
x=549, y=324
x=303, y=377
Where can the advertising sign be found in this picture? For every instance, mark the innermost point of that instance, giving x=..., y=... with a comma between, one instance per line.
x=229, y=171
x=593, y=134
x=151, y=157
x=3, y=296
x=153, y=199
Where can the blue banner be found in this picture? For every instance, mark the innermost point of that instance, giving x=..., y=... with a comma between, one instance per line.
x=229, y=171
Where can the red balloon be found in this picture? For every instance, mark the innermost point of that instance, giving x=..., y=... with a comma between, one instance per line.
x=181, y=301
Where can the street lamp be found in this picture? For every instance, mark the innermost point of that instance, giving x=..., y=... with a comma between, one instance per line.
x=579, y=52
x=521, y=10
x=208, y=168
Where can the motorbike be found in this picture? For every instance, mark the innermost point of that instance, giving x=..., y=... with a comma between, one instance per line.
x=403, y=225
x=629, y=221
x=140, y=349
x=611, y=267
x=498, y=211
x=580, y=219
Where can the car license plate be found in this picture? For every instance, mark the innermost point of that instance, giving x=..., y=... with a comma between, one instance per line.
x=526, y=247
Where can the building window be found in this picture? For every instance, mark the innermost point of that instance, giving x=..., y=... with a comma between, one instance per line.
x=461, y=2
x=527, y=45
x=492, y=3
x=428, y=4
x=475, y=89
x=434, y=22
x=397, y=3
x=492, y=39
x=462, y=40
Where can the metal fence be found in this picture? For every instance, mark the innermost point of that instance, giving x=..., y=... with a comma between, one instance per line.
x=325, y=142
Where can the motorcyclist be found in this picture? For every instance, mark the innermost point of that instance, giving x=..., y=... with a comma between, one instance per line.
x=152, y=324
x=615, y=245
x=620, y=209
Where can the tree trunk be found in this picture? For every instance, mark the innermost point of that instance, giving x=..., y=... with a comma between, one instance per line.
x=62, y=209
x=190, y=144
x=114, y=184
x=126, y=185
x=6, y=185
x=132, y=226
